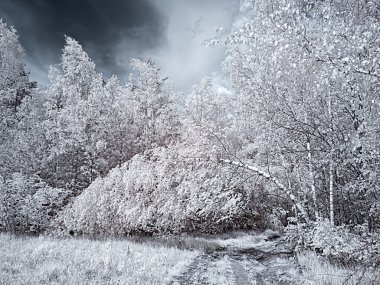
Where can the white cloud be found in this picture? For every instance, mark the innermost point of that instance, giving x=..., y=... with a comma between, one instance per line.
x=183, y=57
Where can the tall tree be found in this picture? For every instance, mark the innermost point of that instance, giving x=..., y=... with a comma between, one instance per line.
x=152, y=105
x=13, y=77
x=14, y=87
x=70, y=97
x=308, y=75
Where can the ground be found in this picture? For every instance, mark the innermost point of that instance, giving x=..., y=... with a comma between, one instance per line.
x=42, y=260
x=239, y=258
x=247, y=259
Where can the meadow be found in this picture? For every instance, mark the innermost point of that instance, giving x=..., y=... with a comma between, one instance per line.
x=43, y=260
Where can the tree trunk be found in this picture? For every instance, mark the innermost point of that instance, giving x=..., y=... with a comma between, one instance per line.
x=331, y=188
x=331, y=166
x=312, y=180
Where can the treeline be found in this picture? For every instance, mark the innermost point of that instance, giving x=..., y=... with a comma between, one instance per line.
x=296, y=141
x=76, y=129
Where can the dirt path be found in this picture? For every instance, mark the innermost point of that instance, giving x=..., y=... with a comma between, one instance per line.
x=260, y=264
x=195, y=274
x=240, y=274
x=213, y=269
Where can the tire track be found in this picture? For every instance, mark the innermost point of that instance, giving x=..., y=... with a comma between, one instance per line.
x=195, y=274
x=241, y=266
x=240, y=274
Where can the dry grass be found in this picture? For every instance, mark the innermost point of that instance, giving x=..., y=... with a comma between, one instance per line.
x=318, y=271
x=80, y=261
x=181, y=242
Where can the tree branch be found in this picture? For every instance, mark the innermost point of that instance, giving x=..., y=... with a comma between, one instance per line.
x=273, y=180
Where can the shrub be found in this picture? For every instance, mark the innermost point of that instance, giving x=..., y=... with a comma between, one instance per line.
x=28, y=205
x=163, y=191
x=338, y=243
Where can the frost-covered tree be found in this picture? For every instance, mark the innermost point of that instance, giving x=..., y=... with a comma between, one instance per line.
x=152, y=105
x=164, y=190
x=13, y=77
x=307, y=76
x=211, y=113
x=28, y=205
x=73, y=98
x=93, y=125
x=15, y=88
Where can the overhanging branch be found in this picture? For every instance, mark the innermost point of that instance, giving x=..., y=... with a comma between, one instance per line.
x=269, y=177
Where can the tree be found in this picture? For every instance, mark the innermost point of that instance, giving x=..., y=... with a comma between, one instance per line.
x=13, y=77
x=161, y=191
x=15, y=88
x=153, y=113
x=307, y=77
x=28, y=205
x=72, y=100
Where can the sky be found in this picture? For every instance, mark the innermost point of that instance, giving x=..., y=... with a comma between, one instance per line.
x=170, y=32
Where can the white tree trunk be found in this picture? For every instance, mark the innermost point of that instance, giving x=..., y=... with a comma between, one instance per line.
x=331, y=166
x=282, y=187
x=311, y=172
x=312, y=180
x=331, y=190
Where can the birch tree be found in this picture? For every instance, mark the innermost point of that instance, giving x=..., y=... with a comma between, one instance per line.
x=309, y=74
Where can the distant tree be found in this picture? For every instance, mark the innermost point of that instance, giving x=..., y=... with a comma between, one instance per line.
x=13, y=77
x=212, y=112
x=152, y=105
x=14, y=89
x=72, y=100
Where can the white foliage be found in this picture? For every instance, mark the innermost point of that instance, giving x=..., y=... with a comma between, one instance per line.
x=164, y=190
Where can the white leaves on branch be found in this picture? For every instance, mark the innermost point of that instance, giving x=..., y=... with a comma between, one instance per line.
x=164, y=190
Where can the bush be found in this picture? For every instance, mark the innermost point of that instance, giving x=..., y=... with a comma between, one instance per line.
x=163, y=191
x=338, y=243
x=317, y=270
x=28, y=205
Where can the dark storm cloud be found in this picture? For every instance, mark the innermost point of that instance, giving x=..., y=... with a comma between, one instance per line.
x=100, y=26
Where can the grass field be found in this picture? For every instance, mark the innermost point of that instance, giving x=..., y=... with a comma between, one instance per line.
x=26, y=260
x=42, y=260
x=318, y=271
